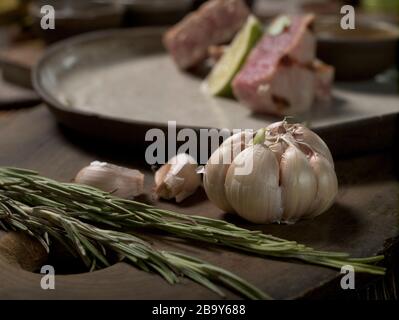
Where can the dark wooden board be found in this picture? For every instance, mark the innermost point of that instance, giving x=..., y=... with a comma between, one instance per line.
x=364, y=217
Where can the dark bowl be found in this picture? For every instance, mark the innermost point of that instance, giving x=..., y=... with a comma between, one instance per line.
x=73, y=17
x=155, y=12
x=357, y=54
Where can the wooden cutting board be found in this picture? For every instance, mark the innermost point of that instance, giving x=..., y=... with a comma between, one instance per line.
x=363, y=221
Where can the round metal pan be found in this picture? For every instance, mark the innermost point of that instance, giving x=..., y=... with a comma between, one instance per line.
x=117, y=84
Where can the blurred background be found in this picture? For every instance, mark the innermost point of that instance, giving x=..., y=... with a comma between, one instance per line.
x=22, y=40
x=77, y=16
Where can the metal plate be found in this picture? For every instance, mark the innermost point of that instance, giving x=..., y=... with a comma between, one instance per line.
x=116, y=84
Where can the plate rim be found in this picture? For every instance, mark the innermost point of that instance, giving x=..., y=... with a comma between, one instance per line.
x=95, y=124
x=55, y=106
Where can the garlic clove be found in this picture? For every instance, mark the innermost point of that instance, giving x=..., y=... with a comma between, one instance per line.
x=121, y=182
x=178, y=178
x=303, y=134
x=298, y=183
x=237, y=142
x=327, y=185
x=216, y=168
x=277, y=128
x=255, y=196
x=214, y=176
x=278, y=148
x=160, y=175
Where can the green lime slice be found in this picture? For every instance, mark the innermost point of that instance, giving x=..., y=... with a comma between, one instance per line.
x=279, y=25
x=222, y=74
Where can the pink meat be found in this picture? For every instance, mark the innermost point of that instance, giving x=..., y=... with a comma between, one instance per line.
x=277, y=78
x=291, y=90
x=215, y=22
x=324, y=77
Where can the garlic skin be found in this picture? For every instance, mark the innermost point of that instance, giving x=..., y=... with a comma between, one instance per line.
x=119, y=181
x=216, y=169
x=290, y=176
x=327, y=185
x=257, y=200
x=303, y=134
x=299, y=183
x=178, y=178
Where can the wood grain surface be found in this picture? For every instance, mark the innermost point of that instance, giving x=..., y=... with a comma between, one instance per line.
x=363, y=221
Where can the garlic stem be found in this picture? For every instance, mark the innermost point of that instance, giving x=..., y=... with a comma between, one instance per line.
x=260, y=136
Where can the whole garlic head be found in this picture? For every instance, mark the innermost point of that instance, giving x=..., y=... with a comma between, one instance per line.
x=121, y=182
x=178, y=178
x=288, y=175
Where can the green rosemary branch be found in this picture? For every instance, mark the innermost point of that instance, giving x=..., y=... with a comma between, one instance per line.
x=93, y=244
x=96, y=206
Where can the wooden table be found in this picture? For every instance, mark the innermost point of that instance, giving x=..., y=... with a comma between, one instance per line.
x=363, y=222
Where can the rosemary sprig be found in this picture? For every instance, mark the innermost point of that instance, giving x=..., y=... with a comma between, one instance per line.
x=93, y=244
x=96, y=206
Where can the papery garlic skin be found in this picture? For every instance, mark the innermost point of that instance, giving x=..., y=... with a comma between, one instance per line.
x=256, y=196
x=298, y=182
x=292, y=177
x=178, y=178
x=120, y=181
x=219, y=162
x=303, y=134
x=327, y=185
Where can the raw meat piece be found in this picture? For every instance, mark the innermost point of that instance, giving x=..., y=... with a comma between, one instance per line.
x=277, y=77
x=290, y=90
x=215, y=22
x=324, y=76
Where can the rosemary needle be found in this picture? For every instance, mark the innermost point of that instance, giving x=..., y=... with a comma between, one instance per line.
x=90, y=204
x=92, y=244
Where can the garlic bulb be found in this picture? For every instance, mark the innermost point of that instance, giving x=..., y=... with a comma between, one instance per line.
x=285, y=173
x=178, y=178
x=121, y=182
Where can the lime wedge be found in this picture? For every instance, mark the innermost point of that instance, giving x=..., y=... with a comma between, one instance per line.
x=279, y=25
x=222, y=74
